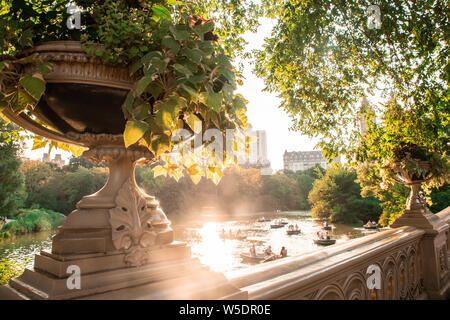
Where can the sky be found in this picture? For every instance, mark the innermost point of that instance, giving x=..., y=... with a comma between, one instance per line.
x=262, y=111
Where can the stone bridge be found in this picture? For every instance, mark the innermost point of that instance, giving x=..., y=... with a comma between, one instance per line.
x=412, y=263
x=408, y=261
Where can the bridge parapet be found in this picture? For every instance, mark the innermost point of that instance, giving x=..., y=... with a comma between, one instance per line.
x=411, y=263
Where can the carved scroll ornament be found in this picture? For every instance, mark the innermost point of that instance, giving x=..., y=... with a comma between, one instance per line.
x=131, y=223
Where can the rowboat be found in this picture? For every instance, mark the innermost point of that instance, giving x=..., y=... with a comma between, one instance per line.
x=371, y=226
x=258, y=258
x=283, y=221
x=276, y=225
x=289, y=232
x=325, y=242
x=327, y=228
x=263, y=219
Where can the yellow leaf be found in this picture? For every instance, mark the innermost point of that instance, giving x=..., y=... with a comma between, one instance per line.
x=134, y=131
x=159, y=171
x=194, y=123
x=76, y=150
x=38, y=142
x=196, y=177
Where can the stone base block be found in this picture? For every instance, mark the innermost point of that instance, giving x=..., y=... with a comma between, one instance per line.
x=169, y=274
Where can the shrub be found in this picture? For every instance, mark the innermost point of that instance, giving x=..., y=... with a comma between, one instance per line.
x=33, y=220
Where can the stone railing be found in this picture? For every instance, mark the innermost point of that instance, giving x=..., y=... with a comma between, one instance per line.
x=348, y=270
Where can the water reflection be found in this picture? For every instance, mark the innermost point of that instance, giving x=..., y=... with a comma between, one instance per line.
x=223, y=255
x=23, y=248
x=203, y=235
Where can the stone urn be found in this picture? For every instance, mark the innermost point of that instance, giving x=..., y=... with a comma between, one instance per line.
x=117, y=238
x=415, y=200
x=416, y=213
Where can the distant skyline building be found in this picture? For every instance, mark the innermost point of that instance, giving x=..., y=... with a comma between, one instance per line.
x=303, y=160
x=258, y=153
x=58, y=160
x=258, y=150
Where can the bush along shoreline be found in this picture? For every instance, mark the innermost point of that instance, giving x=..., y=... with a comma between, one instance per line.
x=32, y=220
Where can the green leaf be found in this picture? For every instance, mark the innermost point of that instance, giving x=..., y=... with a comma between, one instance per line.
x=154, y=89
x=26, y=39
x=195, y=55
x=44, y=67
x=228, y=91
x=192, y=93
x=197, y=78
x=180, y=34
x=227, y=73
x=19, y=100
x=127, y=105
x=212, y=100
x=205, y=27
x=171, y=43
x=34, y=86
x=142, y=84
x=167, y=111
x=161, y=12
x=159, y=64
x=183, y=70
x=145, y=60
x=134, y=130
x=161, y=145
x=239, y=102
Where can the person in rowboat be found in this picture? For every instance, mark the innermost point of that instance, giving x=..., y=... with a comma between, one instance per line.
x=268, y=251
x=253, y=250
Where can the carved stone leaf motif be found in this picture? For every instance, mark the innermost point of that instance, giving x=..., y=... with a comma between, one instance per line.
x=131, y=225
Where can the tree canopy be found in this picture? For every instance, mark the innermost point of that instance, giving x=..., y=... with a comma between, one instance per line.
x=11, y=178
x=324, y=56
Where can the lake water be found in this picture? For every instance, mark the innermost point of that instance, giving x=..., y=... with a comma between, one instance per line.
x=203, y=235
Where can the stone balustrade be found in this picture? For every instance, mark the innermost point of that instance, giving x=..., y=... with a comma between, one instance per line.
x=344, y=270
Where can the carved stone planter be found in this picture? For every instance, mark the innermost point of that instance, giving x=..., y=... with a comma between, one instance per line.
x=119, y=237
x=415, y=201
x=434, y=241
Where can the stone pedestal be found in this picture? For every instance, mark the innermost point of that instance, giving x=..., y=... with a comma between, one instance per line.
x=434, y=244
x=118, y=244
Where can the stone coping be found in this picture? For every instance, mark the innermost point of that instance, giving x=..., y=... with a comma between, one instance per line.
x=444, y=214
x=273, y=279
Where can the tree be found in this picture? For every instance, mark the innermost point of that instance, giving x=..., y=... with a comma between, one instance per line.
x=284, y=189
x=12, y=192
x=440, y=198
x=324, y=56
x=305, y=180
x=77, y=162
x=36, y=174
x=337, y=196
x=60, y=191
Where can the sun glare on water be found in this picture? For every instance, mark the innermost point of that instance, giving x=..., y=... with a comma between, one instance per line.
x=212, y=250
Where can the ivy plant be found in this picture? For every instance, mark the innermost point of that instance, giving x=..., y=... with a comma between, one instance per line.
x=184, y=74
